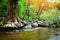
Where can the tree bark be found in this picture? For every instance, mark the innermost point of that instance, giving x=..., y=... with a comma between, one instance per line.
x=12, y=12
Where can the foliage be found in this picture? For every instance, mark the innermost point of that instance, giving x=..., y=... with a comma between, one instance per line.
x=22, y=8
x=57, y=16
x=58, y=6
x=50, y=10
x=3, y=8
x=49, y=15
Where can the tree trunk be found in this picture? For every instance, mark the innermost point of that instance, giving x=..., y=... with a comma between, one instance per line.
x=28, y=9
x=39, y=11
x=12, y=12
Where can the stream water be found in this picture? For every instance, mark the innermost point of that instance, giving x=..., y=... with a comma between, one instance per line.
x=32, y=34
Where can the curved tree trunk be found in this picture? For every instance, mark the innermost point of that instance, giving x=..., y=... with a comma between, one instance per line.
x=12, y=12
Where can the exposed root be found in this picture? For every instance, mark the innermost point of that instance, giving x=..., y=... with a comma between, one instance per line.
x=10, y=23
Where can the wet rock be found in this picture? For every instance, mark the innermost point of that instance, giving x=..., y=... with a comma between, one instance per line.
x=35, y=20
x=43, y=23
x=24, y=22
x=34, y=24
x=6, y=25
x=55, y=25
x=17, y=24
x=16, y=30
x=9, y=25
x=12, y=25
x=28, y=25
x=21, y=24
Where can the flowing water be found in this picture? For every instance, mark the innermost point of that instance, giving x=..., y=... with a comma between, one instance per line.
x=34, y=34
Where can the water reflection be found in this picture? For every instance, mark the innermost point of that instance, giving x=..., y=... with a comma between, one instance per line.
x=55, y=34
x=38, y=34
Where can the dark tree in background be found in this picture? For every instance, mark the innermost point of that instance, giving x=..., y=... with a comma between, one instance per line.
x=12, y=12
x=58, y=6
x=28, y=8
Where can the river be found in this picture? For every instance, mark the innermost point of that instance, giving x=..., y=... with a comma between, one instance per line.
x=28, y=34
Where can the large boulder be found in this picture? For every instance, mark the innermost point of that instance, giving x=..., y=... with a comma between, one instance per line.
x=43, y=23
x=34, y=24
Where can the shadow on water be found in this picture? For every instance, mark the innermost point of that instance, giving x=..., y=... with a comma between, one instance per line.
x=30, y=34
